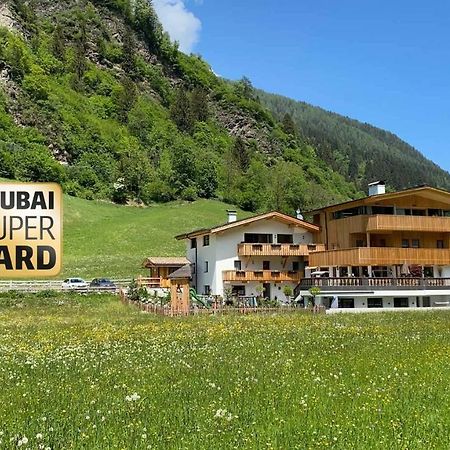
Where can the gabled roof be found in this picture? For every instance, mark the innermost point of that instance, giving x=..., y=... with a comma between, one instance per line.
x=183, y=273
x=266, y=216
x=167, y=261
x=423, y=191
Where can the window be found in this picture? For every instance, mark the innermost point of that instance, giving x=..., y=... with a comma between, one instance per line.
x=266, y=265
x=382, y=242
x=346, y=302
x=194, y=243
x=415, y=243
x=440, y=243
x=206, y=266
x=237, y=265
x=285, y=239
x=374, y=302
x=360, y=243
x=405, y=243
x=426, y=303
x=401, y=302
x=295, y=266
x=206, y=240
x=383, y=210
x=207, y=290
x=428, y=272
x=255, y=238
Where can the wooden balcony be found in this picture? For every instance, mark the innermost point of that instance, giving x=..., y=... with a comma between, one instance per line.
x=153, y=282
x=358, y=284
x=380, y=256
x=278, y=249
x=262, y=276
x=408, y=223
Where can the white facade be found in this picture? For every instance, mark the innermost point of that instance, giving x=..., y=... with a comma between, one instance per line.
x=210, y=261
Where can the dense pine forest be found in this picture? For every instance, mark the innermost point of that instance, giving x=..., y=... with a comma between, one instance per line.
x=95, y=96
x=358, y=151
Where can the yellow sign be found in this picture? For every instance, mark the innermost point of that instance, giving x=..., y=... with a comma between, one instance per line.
x=30, y=229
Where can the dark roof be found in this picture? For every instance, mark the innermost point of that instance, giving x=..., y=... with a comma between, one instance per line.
x=184, y=272
x=270, y=215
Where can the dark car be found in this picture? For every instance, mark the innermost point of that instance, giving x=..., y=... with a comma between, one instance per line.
x=103, y=284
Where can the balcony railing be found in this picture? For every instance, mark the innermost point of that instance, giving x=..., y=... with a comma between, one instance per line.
x=380, y=256
x=262, y=275
x=408, y=223
x=153, y=282
x=278, y=249
x=354, y=283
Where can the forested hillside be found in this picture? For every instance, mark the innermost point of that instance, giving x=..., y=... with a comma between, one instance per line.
x=94, y=95
x=358, y=151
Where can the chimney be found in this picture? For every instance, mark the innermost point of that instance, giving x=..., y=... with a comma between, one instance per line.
x=232, y=215
x=299, y=214
x=377, y=188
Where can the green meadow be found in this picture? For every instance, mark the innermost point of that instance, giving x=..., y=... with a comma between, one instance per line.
x=104, y=239
x=82, y=372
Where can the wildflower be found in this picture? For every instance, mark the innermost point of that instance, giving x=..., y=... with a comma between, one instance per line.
x=133, y=397
x=23, y=441
x=39, y=436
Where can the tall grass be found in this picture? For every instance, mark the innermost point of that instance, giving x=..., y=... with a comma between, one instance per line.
x=88, y=372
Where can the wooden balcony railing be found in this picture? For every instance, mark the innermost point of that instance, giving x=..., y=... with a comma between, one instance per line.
x=262, y=275
x=153, y=282
x=380, y=256
x=278, y=249
x=408, y=223
x=354, y=283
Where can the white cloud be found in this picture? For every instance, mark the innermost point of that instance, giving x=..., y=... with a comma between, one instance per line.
x=181, y=24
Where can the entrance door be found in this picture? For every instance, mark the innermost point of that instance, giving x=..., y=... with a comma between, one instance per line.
x=266, y=290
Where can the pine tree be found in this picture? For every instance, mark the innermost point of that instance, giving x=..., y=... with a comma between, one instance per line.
x=199, y=105
x=126, y=98
x=241, y=154
x=181, y=113
x=79, y=60
x=129, y=54
x=244, y=88
x=58, y=42
x=289, y=125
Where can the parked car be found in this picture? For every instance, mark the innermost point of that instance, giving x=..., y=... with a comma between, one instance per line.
x=75, y=284
x=320, y=274
x=103, y=284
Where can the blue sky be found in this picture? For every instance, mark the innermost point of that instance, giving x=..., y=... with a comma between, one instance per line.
x=382, y=62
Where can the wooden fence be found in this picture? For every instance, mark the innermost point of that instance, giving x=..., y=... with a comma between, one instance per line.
x=216, y=309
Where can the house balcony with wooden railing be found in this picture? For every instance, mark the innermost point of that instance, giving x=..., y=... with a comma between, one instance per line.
x=373, y=284
x=286, y=250
x=262, y=276
x=408, y=223
x=380, y=256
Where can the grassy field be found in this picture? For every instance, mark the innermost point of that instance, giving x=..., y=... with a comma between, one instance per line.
x=102, y=239
x=89, y=373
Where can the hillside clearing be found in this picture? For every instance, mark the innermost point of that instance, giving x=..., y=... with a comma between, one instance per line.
x=103, y=239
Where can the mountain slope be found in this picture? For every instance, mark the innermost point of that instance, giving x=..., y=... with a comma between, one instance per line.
x=96, y=97
x=359, y=151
